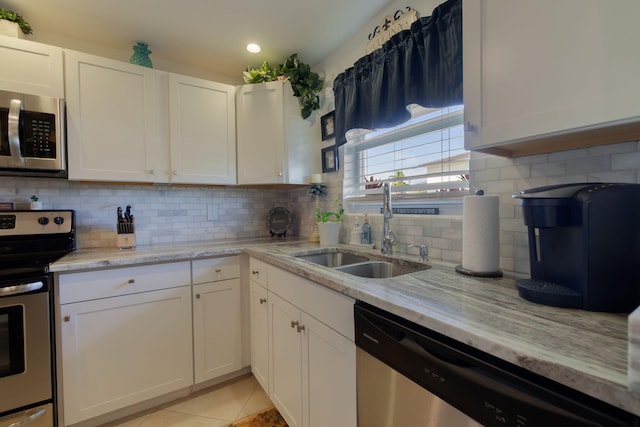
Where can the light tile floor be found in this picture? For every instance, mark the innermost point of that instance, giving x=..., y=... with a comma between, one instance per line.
x=213, y=407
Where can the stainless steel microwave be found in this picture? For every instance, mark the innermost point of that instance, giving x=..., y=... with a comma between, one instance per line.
x=32, y=135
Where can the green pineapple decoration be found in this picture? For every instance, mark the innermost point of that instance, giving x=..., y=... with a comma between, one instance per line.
x=141, y=55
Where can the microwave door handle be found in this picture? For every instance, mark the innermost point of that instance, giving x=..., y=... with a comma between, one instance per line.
x=13, y=132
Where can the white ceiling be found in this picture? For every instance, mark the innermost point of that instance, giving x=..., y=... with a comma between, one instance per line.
x=207, y=34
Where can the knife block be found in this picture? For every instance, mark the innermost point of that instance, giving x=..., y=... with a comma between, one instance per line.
x=126, y=238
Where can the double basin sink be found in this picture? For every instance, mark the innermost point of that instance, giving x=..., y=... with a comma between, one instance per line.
x=359, y=263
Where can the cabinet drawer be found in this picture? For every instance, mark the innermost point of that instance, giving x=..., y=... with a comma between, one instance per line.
x=215, y=269
x=89, y=285
x=330, y=307
x=258, y=271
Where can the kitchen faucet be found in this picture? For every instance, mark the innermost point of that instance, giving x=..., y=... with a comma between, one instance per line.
x=388, y=238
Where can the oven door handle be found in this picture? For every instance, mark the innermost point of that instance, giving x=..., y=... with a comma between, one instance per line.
x=21, y=289
x=13, y=132
x=31, y=418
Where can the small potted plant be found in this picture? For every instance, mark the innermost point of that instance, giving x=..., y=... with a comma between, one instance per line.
x=35, y=205
x=12, y=24
x=329, y=224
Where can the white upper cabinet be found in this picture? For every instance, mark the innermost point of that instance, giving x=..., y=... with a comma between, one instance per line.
x=134, y=124
x=203, y=131
x=275, y=144
x=31, y=68
x=112, y=120
x=548, y=76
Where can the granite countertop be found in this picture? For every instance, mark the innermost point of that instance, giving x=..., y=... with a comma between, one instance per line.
x=584, y=350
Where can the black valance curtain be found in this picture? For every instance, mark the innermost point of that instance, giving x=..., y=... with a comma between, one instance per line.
x=422, y=66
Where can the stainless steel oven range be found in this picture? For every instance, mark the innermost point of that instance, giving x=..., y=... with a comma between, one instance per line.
x=29, y=242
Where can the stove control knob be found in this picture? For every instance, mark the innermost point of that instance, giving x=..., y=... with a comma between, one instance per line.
x=58, y=220
x=43, y=220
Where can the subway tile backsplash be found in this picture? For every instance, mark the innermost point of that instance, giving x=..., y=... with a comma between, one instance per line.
x=168, y=214
x=505, y=177
x=164, y=214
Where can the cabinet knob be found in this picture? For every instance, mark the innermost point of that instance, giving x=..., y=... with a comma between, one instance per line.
x=300, y=327
x=294, y=323
x=218, y=270
x=254, y=272
x=197, y=296
x=469, y=127
x=263, y=300
x=152, y=172
x=175, y=172
x=67, y=318
x=131, y=281
x=280, y=174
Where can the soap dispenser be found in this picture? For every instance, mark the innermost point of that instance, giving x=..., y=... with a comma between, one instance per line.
x=356, y=233
x=366, y=231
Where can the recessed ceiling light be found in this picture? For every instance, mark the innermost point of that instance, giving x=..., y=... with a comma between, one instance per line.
x=254, y=48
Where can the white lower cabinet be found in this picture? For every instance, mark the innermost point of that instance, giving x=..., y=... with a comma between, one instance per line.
x=309, y=348
x=126, y=333
x=259, y=332
x=286, y=365
x=329, y=384
x=127, y=340
x=217, y=320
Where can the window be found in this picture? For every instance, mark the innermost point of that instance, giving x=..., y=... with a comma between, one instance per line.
x=423, y=158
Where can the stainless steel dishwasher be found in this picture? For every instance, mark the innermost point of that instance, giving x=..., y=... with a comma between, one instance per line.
x=411, y=376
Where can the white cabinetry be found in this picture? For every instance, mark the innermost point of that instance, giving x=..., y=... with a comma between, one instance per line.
x=311, y=355
x=125, y=337
x=135, y=124
x=32, y=68
x=259, y=334
x=113, y=112
x=275, y=145
x=217, y=321
x=547, y=76
x=286, y=333
x=203, y=131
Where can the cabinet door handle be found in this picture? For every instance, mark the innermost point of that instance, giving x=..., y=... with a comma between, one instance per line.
x=300, y=327
x=294, y=323
x=67, y=318
x=263, y=300
x=254, y=272
x=469, y=127
x=218, y=270
x=131, y=281
x=197, y=296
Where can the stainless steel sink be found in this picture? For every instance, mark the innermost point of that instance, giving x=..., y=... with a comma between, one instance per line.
x=360, y=264
x=381, y=269
x=333, y=259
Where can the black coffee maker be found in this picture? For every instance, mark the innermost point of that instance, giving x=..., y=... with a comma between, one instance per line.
x=584, y=246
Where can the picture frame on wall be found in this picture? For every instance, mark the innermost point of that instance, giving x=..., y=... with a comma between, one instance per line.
x=330, y=159
x=327, y=125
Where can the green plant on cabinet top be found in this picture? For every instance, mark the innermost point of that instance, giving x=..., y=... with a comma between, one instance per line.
x=306, y=84
x=11, y=16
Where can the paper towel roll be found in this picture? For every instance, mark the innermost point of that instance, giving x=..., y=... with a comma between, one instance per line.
x=480, y=239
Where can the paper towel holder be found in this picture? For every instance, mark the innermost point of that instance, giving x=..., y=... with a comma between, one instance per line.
x=467, y=272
